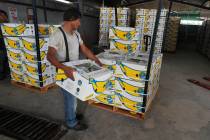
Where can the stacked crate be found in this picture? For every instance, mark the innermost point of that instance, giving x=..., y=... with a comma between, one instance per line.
x=108, y=19
x=145, y=23
x=22, y=54
x=128, y=82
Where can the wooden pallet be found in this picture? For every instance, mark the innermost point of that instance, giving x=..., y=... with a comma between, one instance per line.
x=33, y=88
x=139, y=116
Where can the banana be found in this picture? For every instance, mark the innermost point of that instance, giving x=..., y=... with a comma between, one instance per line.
x=124, y=35
x=60, y=76
x=15, y=66
x=14, y=31
x=12, y=43
x=16, y=76
x=131, y=73
x=106, y=99
x=33, y=58
x=14, y=56
x=34, y=70
x=131, y=105
x=128, y=48
x=98, y=86
x=43, y=30
x=31, y=46
x=130, y=89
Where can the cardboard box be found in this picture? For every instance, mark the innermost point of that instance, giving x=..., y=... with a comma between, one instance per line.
x=107, y=98
x=15, y=65
x=16, y=75
x=14, y=54
x=29, y=44
x=125, y=46
x=90, y=79
x=13, y=42
x=123, y=33
x=31, y=57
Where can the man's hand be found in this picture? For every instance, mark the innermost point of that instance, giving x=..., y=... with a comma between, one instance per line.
x=99, y=63
x=69, y=72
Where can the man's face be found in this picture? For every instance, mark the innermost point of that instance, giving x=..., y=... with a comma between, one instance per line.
x=3, y=18
x=75, y=24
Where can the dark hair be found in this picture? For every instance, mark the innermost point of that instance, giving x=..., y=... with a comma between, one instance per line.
x=71, y=14
x=5, y=13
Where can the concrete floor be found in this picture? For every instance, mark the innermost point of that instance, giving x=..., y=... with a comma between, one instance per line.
x=181, y=111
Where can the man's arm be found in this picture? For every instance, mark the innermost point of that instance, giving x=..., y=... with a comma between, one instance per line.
x=51, y=57
x=89, y=54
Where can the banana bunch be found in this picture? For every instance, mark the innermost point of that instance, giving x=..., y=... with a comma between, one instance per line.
x=14, y=31
x=129, y=104
x=31, y=46
x=124, y=35
x=131, y=89
x=60, y=76
x=132, y=73
x=127, y=48
x=12, y=43
x=13, y=55
x=106, y=99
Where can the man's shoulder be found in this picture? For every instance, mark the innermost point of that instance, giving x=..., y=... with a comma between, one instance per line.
x=56, y=33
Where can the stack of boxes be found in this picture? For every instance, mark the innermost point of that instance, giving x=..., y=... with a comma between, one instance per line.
x=22, y=54
x=145, y=23
x=108, y=19
x=129, y=76
x=172, y=34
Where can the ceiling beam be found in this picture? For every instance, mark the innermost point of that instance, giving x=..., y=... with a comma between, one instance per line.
x=136, y=3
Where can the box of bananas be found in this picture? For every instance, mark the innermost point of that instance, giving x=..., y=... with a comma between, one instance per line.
x=90, y=80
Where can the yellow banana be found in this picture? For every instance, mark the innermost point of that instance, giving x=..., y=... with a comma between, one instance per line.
x=12, y=43
x=16, y=76
x=131, y=105
x=14, y=56
x=15, y=66
x=31, y=46
x=130, y=89
x=106, y=99
x=98, y=86
x=132, y=73
x=33, y=58
x=128, y=48
x=60, y=76
x=124, y=35
x=43, y=30
x=13, y=31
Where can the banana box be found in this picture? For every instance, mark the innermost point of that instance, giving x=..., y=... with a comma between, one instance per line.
x=108, y=98
x=36, y=82
x=43, y=30
x=127, y=102
x=16, y=75
x=14, y=54
x=151, y=12
x=125, y=46
x=15, y=65
x=13, y=42
x=31, y=57
x=32, y=68
x=132, y=88
x=90, y=79
x=13, y=29
x=123, y=33
x=131, y=68
x=29, y=44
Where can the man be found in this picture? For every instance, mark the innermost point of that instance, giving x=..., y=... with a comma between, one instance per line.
x=3, y=55
x=57, y=54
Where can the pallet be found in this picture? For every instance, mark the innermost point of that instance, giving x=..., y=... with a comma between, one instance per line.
x=138, y=116
x=33, y=88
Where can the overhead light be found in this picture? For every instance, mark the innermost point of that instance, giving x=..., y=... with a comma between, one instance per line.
x=64, y=1
x=191, y=22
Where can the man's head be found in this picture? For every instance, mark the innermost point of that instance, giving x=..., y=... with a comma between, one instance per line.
x=3, y=16
x=71, y=18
